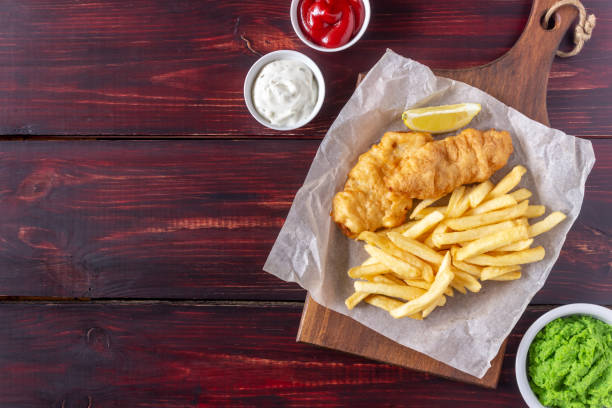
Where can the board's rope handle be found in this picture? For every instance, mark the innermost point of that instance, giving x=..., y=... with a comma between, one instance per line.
x=583, y=30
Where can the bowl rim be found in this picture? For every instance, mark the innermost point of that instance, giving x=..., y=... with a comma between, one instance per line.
x=251, y=75
x=298, y=30
x=599, y=312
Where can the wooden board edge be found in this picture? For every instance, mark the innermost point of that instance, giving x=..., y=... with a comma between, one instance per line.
x=299, y=334
x=308, y=335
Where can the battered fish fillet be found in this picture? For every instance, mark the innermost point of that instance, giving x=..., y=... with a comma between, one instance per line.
x=367, y=204
x=405, y=165
x=439, y=167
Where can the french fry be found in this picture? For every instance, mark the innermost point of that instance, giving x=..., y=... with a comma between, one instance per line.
x=520, y=194
x=428, y=275
x=417, y=283
x=491, y=242
x=427, y=311
x=363, y=270
x=354, y=299
x=426, y=211
x=423, y=205
x=396, y=291
x=441, y=228
x=509, y=276
x=384, y=302
x=386, y=245
x=468, y=268
x=429, y=240
x=380, y=279
x=369, y=261
x=399, y=228
x=516, y=246
x=498, y=253
x=479, y=192
x=458, y=286
x=472, y=221
x=534, y=211
x=425, y=285
x=492, y=272
x=467, y=280
x=454, y=200
x=521, y=221
x=546, y=224
x=509, y=181
x=443, y=279
x=400, y=267
x=502, y=201
x=441, y=302
x=423, y=225
x=390, y=279
x=448, y=238
x=388, y=304
x=462, y=206
x=514, y=258
x=416, y=248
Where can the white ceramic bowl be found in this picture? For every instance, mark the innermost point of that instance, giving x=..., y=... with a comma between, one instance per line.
x=293, y=11
x=598, y=312
x=275, y=56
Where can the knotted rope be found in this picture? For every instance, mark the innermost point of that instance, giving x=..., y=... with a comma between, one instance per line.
x=583, y=30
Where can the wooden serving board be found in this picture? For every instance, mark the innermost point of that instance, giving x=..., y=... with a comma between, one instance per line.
x=519, y=78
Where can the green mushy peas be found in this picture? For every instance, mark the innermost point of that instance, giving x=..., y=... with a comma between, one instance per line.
x=570, y=363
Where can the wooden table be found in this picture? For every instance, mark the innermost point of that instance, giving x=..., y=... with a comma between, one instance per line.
x=131, y=269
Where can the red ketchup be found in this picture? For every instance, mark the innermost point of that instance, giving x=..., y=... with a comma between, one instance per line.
x=331, y=23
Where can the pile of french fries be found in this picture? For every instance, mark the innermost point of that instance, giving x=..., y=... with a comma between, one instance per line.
x=481, y=234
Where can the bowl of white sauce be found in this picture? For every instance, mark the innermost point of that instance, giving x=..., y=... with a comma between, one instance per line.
x=284, y=90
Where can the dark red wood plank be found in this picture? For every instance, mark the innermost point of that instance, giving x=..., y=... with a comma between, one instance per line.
x=159, y=354
x=141, y=219
x=196, y=219
x=177, y=67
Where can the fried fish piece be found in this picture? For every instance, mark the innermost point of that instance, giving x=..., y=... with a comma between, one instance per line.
x=367, y=204
x=405, y=165
x=439, y=167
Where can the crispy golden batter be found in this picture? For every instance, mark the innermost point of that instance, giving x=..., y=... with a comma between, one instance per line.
x=439, y=167
x=366, y=203
x=405, y=165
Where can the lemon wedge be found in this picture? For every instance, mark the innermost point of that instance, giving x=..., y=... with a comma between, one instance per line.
x=441, y=119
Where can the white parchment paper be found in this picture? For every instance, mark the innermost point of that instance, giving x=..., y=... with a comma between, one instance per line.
x=310, y=249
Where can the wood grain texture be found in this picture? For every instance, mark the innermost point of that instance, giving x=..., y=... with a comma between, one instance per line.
x=159, y=354
x=158, y=68
x=196, y=219
x=323, y=327
x=519, y=78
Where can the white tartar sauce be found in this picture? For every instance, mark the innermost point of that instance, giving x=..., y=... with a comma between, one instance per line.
x=285, y=92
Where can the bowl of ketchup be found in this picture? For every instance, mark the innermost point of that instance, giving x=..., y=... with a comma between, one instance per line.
x=330, y=25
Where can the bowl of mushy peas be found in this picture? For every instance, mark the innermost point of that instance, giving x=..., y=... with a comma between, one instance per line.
x=565, y=358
